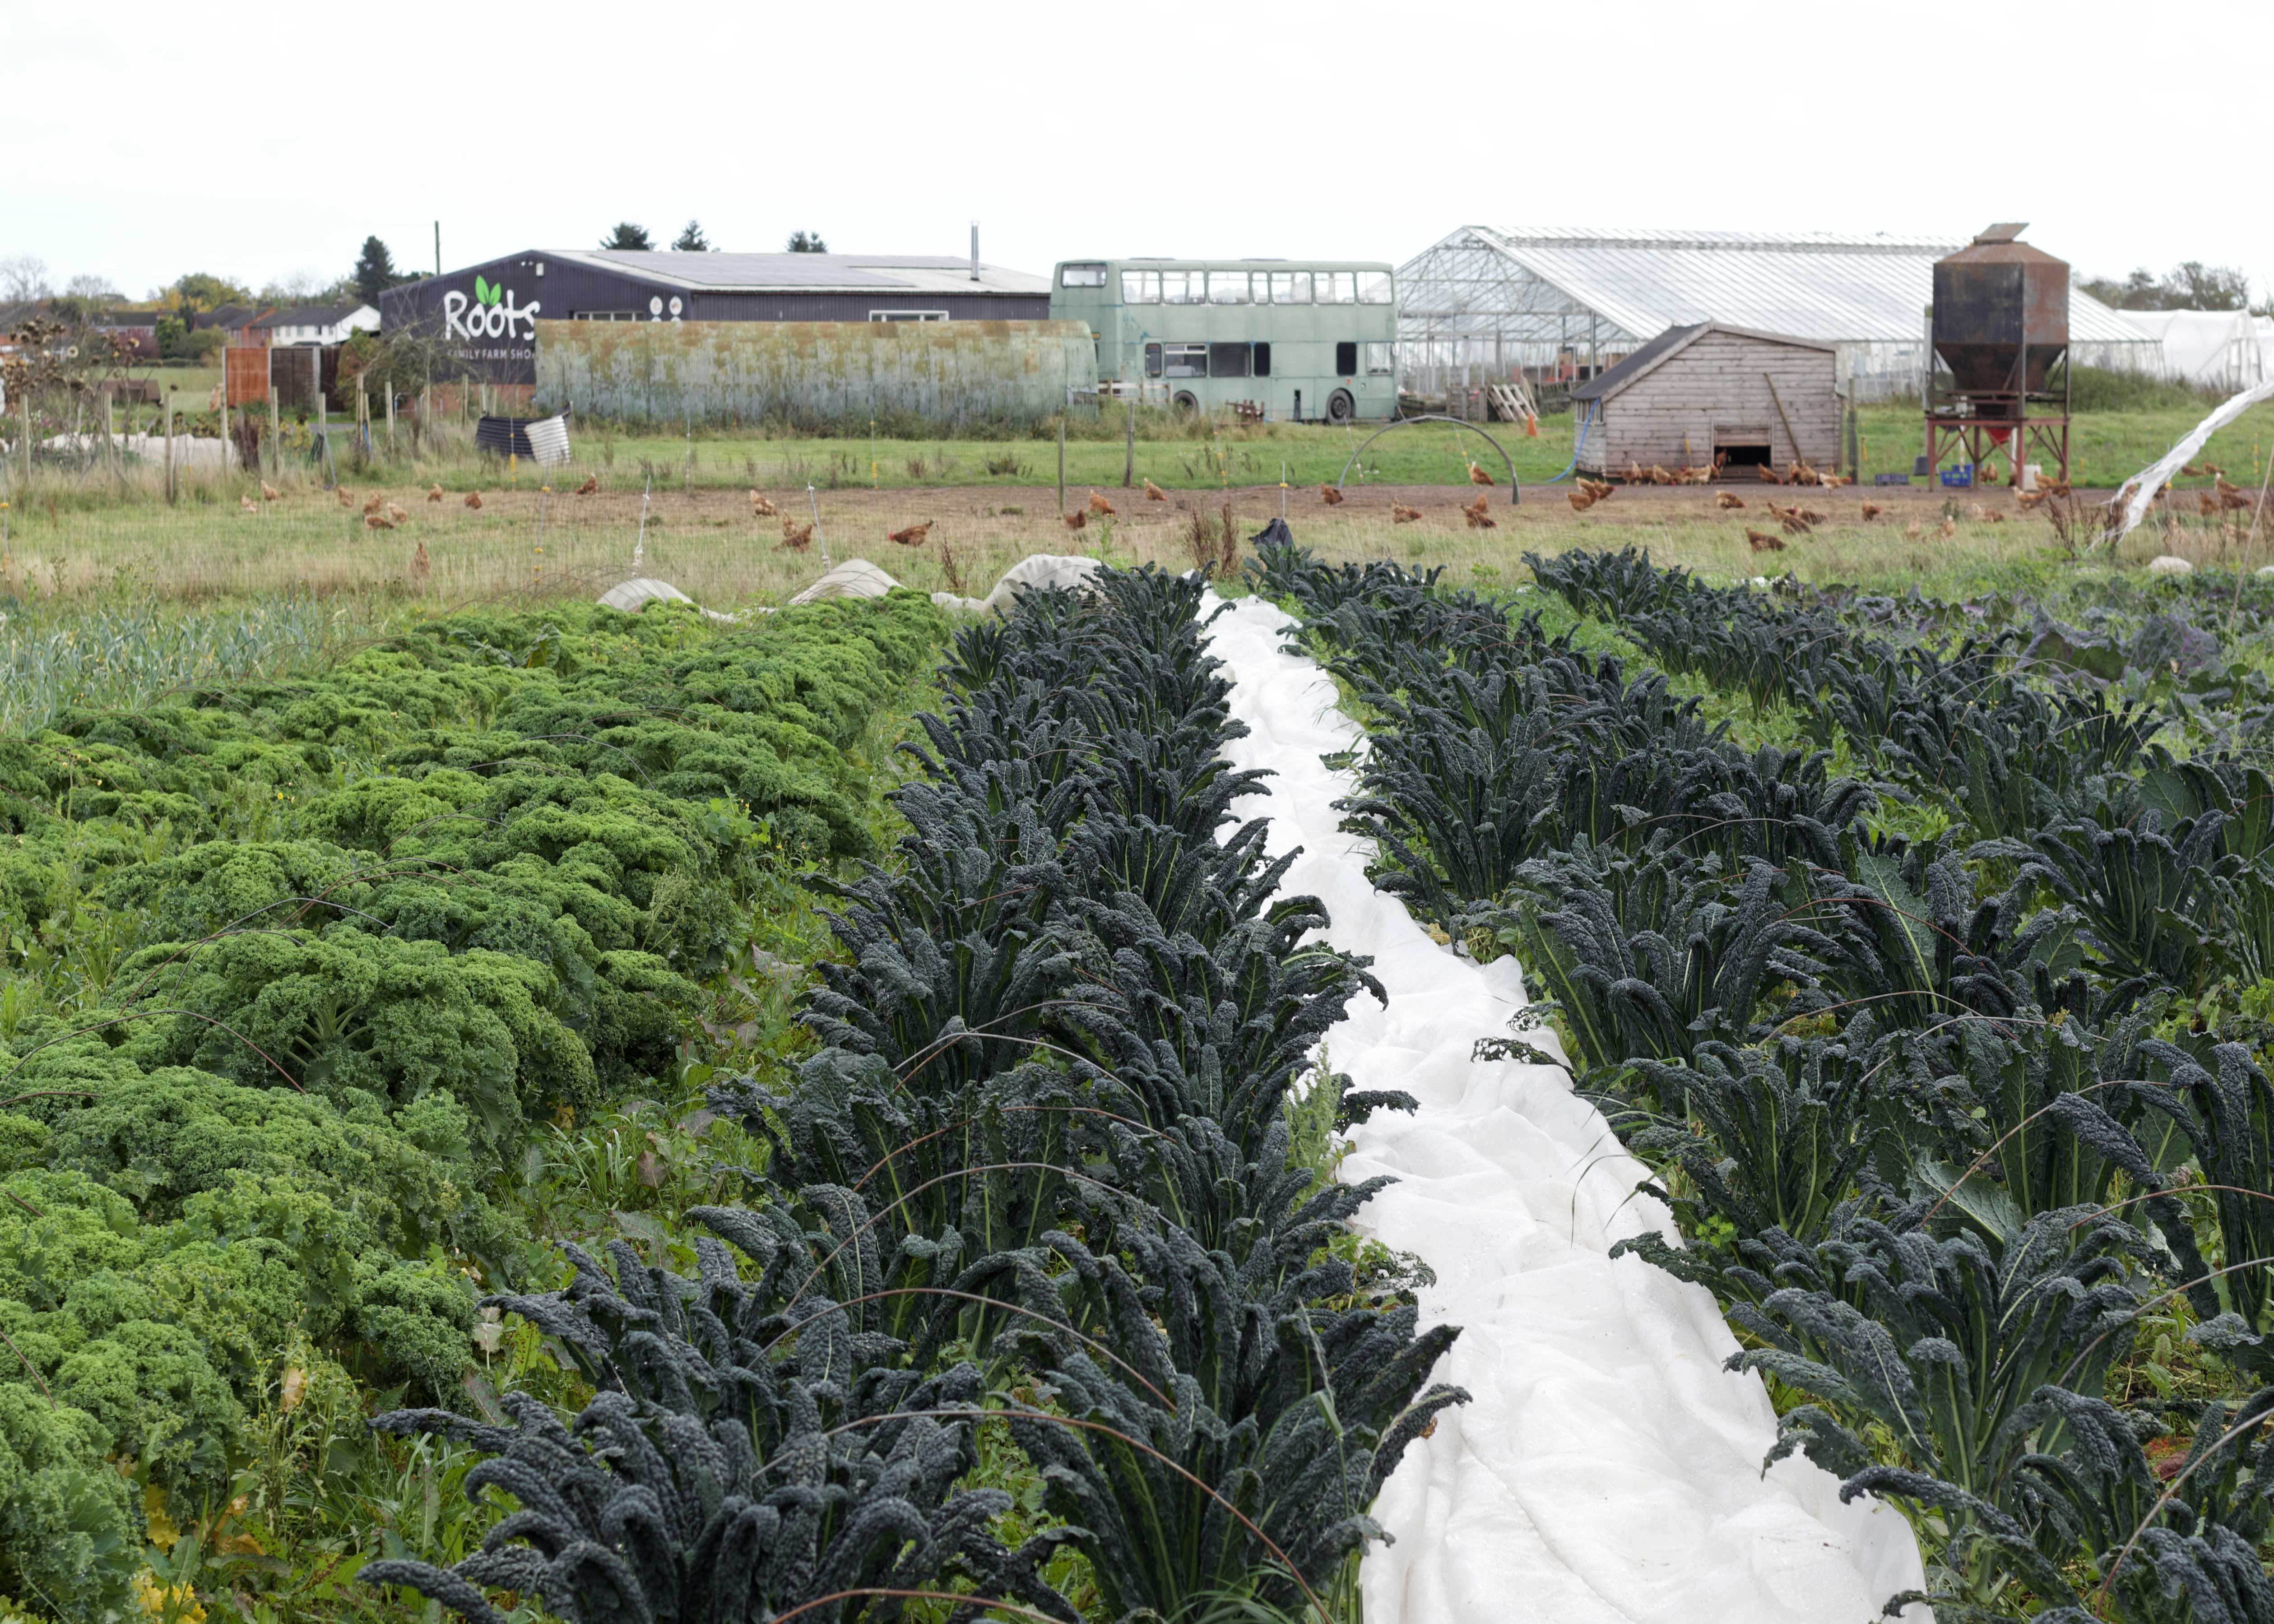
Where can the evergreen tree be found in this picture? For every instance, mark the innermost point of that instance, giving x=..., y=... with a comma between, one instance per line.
x=627, y=236
x=807, y=242
x=374, y=271
x=692, y=240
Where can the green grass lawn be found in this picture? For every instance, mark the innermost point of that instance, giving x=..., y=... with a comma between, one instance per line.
x=2106, y=448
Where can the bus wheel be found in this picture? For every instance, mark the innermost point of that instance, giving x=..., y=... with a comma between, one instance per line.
x=1340, y=406
x=1185, y=400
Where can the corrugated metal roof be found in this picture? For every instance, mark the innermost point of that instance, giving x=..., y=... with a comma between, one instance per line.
x=1812, y=285
x=1611, y=380
x=803, y=272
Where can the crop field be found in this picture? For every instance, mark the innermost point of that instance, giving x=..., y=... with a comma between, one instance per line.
x=651, y=1117
x=1926, y=951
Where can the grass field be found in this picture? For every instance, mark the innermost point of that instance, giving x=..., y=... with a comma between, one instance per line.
x=2106, y=448
x=533, y=542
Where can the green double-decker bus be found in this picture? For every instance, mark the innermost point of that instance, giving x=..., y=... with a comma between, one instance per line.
x=1298, y=342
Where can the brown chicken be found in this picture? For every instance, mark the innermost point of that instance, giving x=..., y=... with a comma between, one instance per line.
x=1331, y=496
x=1794, y=524
x=760, y=508
x=1988, y=515
x=2189, y=468
x=1597, y=488
x=418, y=561
x=396, y=513
x=795, y=537
x=1154, y=493
x=912, y=537
x=1477, y=475
x=1767, y=474
x=374, y=504
x=1808, y=515
x=1401, y=515
x=378, y=522
x=2214, y=471
x=346, y=496
x=2206, y=504
x=1871, y=510
x=1474, y=512
x=1761, y=541
x=268, y=492
x=592, y=484
x=2027, y=499
x=1099, y=505
x=473, y=499
x=1911, y=531
x=433, y=492
x=1727, y=500
x=1076, y=520
x=1659, y=476
x=2229, y=497
x=1949, y=529
x=1580, y=501
x=248, y=504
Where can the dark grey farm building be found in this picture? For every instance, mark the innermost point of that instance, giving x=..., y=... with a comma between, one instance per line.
x=487, y=314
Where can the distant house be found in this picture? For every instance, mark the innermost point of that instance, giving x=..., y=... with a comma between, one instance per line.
x=235, y=324
x=138, y=329
x=313, y=324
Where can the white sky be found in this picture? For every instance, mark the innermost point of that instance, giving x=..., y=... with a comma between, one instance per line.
x=147, y=140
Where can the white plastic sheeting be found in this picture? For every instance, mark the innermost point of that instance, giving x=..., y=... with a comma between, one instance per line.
x=2140, y=490
x=1608, y=1470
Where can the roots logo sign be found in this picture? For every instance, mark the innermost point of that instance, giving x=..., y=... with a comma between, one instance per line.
x=494, y=314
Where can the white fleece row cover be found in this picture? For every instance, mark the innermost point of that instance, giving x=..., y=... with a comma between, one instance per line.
x=1607, y=1469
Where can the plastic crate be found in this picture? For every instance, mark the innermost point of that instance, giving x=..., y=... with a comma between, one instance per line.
x=1958, y=479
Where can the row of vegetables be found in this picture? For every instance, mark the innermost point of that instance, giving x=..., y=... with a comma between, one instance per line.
x=300, y=977
x=1944, y=1024
x=1050, y=1207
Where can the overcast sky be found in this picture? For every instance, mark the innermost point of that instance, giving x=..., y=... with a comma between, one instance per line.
x=142, y=141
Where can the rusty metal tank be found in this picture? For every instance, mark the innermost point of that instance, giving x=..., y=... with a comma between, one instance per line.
x=2001, y=313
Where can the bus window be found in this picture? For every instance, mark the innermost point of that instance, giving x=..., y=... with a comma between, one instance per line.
x=1373, y=288
x=1337, y=287
x=1381, y=360
x=1290, y=287
x=1184, y=287
x=1262, y=356
x=1187, y=360
x=1346, y=360
x=1227, y=287
x=1141, y=287
x=1152, y=360
x=1085, y=273
x=1227, y=360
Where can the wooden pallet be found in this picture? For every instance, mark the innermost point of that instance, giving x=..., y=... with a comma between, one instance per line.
x=1511, y=402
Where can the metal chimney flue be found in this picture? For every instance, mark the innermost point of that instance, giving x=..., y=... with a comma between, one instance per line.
x=974, y=250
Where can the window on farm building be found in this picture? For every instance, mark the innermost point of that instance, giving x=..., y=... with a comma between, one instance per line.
x=907, y=315
x=1141, y=287
x=1227, y=360
x=1184, y=287
x=1082, y=273
x=1346, y=359
x=1338, y=287
x=604, y=315
x=1227, y=287
x=1290, y=287
x=1380, y=359
x=1263, y=360
x=1189, y=360
x=1152, y=360
x=1373, y=288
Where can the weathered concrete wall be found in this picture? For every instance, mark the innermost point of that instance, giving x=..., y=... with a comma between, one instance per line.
x=839, y=373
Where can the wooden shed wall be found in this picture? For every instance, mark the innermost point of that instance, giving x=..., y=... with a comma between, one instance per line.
x=1715, y=386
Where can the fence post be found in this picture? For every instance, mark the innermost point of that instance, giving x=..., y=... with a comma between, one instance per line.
x=169, y=440
x=1129, y=461
x=275, y=452
x=1064, y=407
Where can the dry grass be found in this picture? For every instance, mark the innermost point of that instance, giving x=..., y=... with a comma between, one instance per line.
x=708, y=543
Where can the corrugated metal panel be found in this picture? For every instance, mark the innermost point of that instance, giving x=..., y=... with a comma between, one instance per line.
x=767, y=272
x=819, y=372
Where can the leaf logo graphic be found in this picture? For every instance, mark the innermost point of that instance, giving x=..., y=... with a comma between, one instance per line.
x=481, y=291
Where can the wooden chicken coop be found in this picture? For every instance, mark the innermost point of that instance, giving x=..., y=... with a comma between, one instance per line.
x=1710, y=393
